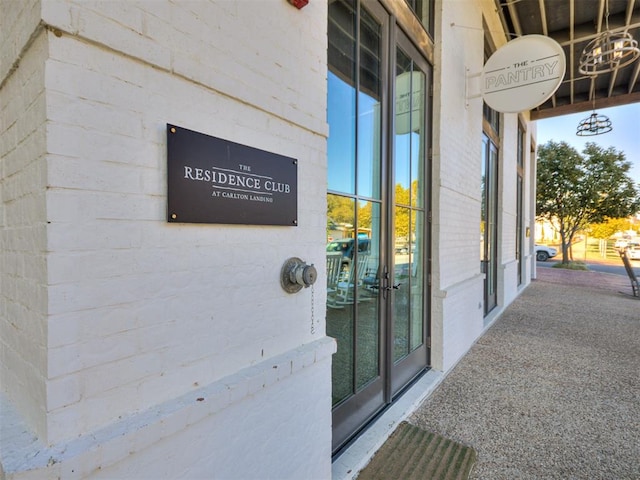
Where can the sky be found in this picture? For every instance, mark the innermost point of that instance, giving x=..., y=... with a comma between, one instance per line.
x=624, y=137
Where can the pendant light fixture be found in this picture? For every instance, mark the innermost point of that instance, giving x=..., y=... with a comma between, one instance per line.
x=594, y=125
x=608, y=51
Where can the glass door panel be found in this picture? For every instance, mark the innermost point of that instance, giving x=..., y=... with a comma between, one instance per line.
x=369, y=107
x=409, y=160
x=401, y=303
x=340, y=321
x=492, y=239
x=354, y=212
x=408, y=287
x=417, y=284
x=367, y=288
x=341, y=98
x=352, y=295
x=519, y=228
x=376, y=243
x=489, y=224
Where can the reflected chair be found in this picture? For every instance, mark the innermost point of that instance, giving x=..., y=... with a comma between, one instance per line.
x=349, y=281
x=334, y=266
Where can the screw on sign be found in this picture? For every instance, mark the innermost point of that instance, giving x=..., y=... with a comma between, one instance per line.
x=298, y=3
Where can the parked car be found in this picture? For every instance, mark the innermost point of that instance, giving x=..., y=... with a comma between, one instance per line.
x=345, y=245
x=406, y=248
x=544, y=253
x=622, y=242
x=633, y=251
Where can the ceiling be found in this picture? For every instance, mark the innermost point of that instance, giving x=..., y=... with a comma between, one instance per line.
x=573, y=24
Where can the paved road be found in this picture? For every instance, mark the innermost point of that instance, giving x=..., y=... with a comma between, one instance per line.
x=600, y=267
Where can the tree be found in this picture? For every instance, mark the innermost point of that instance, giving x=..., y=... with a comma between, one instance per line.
x=402, y=213
x=573, y=191
x=605, y=230
x=340, y=209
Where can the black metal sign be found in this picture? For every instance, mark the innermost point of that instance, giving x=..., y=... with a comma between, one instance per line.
x=211, y=180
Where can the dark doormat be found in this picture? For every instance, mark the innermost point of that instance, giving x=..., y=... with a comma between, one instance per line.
x=413, y=453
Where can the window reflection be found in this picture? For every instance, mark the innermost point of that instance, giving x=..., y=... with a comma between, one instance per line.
x=424, y=11
x=488, y=220
x=409, y=161
x=353, y=204
x=353, y=264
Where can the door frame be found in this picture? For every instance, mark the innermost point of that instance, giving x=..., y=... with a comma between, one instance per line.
x=353, y=414
x=419, y=359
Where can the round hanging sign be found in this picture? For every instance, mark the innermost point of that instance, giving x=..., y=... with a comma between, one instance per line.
x=523, y=74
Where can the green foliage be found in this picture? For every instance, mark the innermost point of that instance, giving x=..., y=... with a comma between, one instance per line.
x=402, y=214
x=606, y=229
x=340, y=209
x=574, y=190
x=571, y=266
x=364, y=214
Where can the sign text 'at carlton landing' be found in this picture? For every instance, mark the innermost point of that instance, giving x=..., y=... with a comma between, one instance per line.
x=211, y=180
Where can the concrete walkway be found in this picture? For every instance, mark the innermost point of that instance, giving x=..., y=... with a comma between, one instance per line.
x=552, y=390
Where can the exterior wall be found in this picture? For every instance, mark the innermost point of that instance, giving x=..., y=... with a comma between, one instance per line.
x=134, y=347
x=508, y=179
x=210, y=448
x=135, y=315
x=269, y=414
x=457, y=292
x=23, y=240
x=507, y=174
x=530, y=184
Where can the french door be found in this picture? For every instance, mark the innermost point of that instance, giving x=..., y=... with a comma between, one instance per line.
x=377, y=207
x=489, y=222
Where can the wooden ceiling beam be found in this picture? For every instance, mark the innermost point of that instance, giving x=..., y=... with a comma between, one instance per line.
x=629, y=12
x=572, y=62
x=585, y=106
x=634, y=77
x=577, y=94
x=514, y=18
x=585, y=32
x=600, y=16
x=612, y=81
x=543, y=18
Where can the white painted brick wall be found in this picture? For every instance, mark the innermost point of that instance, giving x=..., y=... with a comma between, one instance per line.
x=203, y=433
x=209, y=449
x=457, y=150
x=141, y=311
x=19, y=20
x=508, y=187
x=463, y=311
x=191, y=303
x=456, y=166
x=227, y=46
x=457, y=314
x=23, y=272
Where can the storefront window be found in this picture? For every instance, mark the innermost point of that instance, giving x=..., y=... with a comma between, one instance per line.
x=489, y=221
x=377, y=303
x=424, y=11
